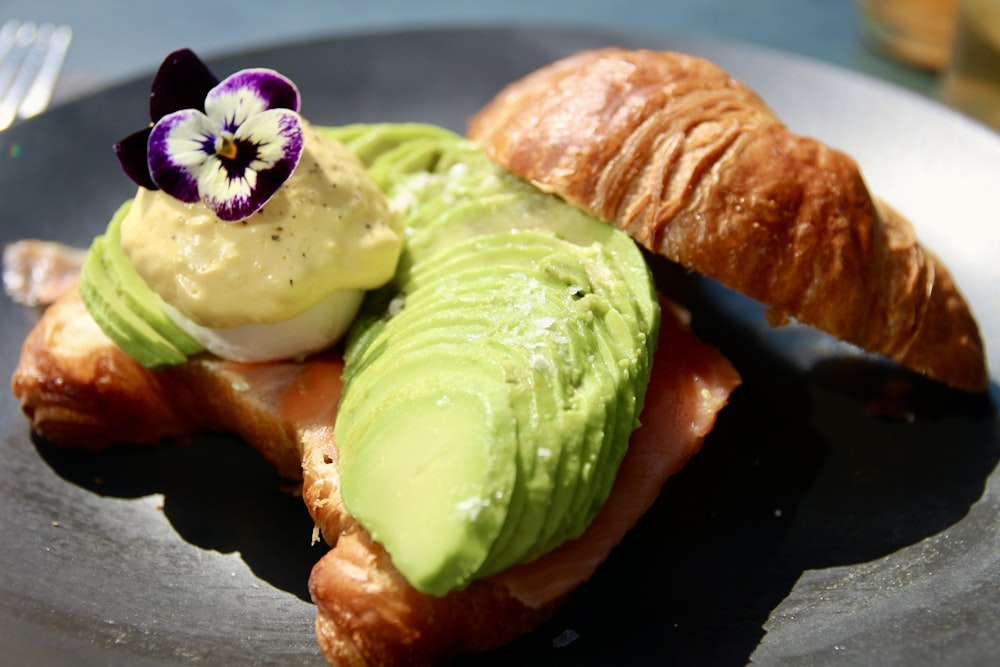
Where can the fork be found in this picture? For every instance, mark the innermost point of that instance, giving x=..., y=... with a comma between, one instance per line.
x=31, y=57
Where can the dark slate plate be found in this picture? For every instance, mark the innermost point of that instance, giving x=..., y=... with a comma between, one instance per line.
x=808, y=531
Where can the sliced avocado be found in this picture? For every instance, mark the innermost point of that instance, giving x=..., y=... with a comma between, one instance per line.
x=518, y=375
x=487, y=213
x=634, y=351
x=442, y=448
x=369, y=141
x=630, y=357
x=538, y=372
x=421, y=156
x=504, y=253
x=569, y=268
x=602, y=363
x=511, y=292
x=441, y=290
x=609, y=358
x=587, y=413
x=597, y=397
x=115, y=317
x=549, y=426
x=139, y=297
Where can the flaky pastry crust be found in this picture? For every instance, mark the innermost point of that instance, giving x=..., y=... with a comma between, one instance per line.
x=694, y=166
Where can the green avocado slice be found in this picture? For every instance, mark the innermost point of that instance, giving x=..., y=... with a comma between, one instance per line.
x=508, y=290
x=114, y=316
x=557, y=338
x=443, y=450
x=370, y=141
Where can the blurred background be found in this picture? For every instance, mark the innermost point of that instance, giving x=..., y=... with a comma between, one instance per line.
x=907, y=42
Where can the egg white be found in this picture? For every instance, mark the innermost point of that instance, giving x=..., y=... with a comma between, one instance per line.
x=311, y=331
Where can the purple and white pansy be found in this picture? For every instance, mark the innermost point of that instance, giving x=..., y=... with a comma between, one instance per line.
x=232, y=151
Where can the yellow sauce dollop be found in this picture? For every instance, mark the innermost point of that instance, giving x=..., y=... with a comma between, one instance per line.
x=327, y=228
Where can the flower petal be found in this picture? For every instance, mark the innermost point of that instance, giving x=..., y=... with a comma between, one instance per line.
x=277, y=134
x=180, y=144
x=249, y=92
x=182, y=82
x=230, y=195
x=236, y=189
x=131, y=152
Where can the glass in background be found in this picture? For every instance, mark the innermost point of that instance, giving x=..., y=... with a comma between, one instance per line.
x=972, y=81
x=916, y=32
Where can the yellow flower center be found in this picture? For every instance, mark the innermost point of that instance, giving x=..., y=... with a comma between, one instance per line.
x=225, y=147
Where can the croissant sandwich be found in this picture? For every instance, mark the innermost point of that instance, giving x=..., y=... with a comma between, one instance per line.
x=493, y=391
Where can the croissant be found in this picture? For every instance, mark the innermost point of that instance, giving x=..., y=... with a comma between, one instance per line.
x=80, y=390
x=694, y=166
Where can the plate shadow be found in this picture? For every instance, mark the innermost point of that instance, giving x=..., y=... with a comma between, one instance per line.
x=218, y=494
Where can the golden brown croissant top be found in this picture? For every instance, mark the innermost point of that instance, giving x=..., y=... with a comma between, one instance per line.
x=694, y=166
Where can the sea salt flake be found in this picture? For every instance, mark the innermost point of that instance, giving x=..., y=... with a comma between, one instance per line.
x=472, y=506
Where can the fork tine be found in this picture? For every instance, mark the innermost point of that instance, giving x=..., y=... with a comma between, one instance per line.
x=16, y=39
x=7, y=34
x=40, y=93
x=30, y=69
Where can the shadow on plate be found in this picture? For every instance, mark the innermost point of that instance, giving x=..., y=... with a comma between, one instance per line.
x=218, y=494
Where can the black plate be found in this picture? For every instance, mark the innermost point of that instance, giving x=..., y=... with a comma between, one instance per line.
x=807, y=532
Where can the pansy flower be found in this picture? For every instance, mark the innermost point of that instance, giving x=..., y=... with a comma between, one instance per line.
x=230, y=144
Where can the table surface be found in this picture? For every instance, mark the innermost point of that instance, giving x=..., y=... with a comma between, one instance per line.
x=117, y=40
